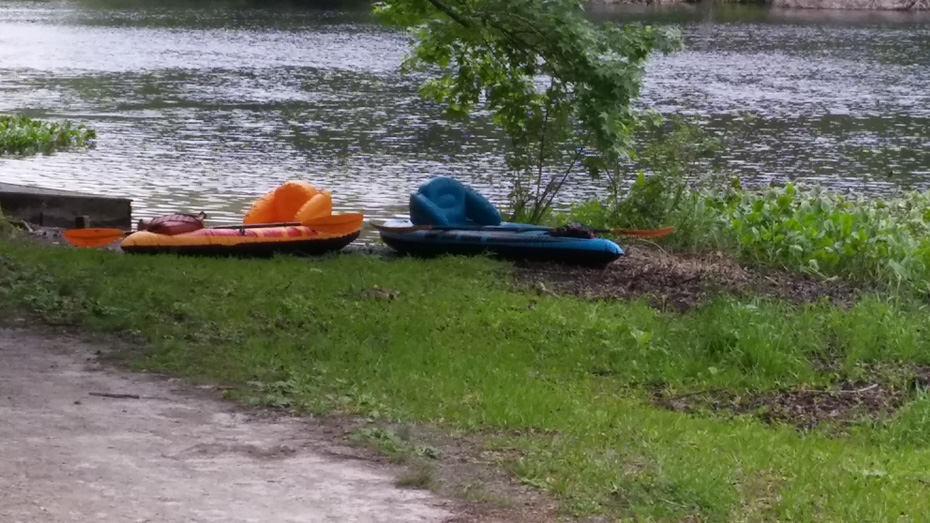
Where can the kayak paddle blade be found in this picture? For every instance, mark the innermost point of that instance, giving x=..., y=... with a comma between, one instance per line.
x=644, y=233
x=93, y=237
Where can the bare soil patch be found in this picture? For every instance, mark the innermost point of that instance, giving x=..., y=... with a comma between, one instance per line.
x=679, y=281
x=803, y=408
x=878, y=395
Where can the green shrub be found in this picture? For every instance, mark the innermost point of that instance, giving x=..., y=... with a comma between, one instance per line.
x=792, y=226
x=815, y=230
x=6, y=228
x=670, y=167
x=796, y=227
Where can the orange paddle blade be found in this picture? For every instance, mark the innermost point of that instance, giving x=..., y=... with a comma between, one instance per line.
x=94, y=237
x=644, y=233
x=337, y=223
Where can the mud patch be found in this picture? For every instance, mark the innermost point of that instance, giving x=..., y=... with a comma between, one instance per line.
x=679, y=281
x=846, y=403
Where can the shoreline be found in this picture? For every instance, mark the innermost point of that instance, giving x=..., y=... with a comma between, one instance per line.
x=810, y=5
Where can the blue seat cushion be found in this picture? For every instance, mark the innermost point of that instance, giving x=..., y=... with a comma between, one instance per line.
x=444, y=201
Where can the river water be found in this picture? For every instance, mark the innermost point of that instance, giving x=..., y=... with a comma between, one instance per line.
x=206, y=108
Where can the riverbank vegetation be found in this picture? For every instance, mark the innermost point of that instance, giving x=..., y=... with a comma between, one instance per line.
x=20, y=135
x=753, y=409
x=791, y=225
x=582, y=120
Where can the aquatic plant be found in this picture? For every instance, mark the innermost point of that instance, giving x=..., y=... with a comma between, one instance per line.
x=816, y=230
x=22, y=135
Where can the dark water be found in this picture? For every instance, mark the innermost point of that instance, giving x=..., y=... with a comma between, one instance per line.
x=206, y=108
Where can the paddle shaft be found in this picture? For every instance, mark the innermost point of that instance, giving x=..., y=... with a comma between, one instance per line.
x=252, y=225
x=256, y=225
x=244, y=226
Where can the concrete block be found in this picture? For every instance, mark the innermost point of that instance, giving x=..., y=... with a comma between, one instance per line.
x=53, y=208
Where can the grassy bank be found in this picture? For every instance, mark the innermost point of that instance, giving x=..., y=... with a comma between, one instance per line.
x=561, y=390
x=21, y=135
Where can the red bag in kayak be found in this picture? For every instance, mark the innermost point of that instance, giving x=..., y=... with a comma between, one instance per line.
x=173, y=224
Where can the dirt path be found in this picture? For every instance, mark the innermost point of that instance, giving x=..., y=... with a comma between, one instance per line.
x=169, y=456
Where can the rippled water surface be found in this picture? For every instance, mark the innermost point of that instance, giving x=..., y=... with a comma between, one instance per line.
x=206, y=108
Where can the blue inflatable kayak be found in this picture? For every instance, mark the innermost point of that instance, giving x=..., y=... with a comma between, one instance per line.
x=454, y=219
x=507, y=240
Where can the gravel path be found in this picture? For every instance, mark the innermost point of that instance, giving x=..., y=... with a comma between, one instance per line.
x=71, y=453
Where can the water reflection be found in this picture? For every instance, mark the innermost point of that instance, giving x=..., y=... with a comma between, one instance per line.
x=207, y=107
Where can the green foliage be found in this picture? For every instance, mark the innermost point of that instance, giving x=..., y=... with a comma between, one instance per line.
x=561, y=387
x=792, y=226
x=670, y=163
x=819, y=231
x=22, y=135
x=6, y=228
x=560, y=86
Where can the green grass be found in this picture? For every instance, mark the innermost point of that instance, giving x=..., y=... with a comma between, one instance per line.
x=20, y=135
x=559, y=390
x=419, y=476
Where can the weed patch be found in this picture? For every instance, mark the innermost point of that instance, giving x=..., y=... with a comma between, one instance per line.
x=396, y=443
x=419, y=476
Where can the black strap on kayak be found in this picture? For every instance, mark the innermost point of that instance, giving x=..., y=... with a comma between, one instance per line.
x=573, y=230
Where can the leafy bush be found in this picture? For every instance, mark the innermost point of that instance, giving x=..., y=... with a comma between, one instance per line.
x=22, y=135
x=796, y=227
x=668, y=167
x=816, y=230
x=7, y=229
x=793, y=226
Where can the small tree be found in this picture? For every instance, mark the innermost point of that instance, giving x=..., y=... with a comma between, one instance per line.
x=560, y=86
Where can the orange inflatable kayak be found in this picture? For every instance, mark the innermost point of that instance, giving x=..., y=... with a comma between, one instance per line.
x=295, y=217
x=297, y=239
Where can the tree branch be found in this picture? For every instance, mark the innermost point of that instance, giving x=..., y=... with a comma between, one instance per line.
x=542, y=145
x=448, y=11
x=564, y=177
